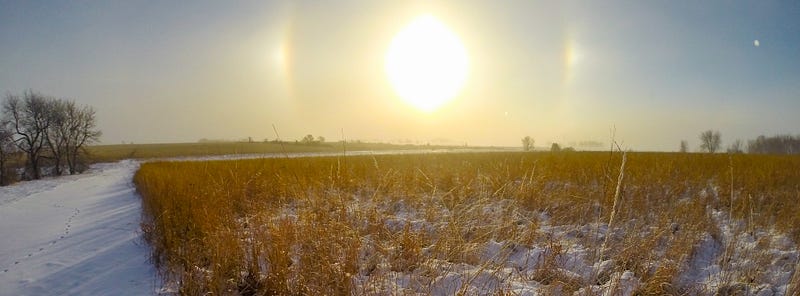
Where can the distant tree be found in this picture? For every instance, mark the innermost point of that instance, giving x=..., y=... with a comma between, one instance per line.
x=527, y=143
x=711, y=141
x=568, y=149
x=735, y=147
x=779, y=144
x=308, y=139
x=7, y=148
x=590, y=144
x=684, y=146
x=321, y=139
x=29, y=120
x=555, y=147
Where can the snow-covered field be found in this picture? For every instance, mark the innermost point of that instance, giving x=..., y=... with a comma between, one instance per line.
x=74, y=235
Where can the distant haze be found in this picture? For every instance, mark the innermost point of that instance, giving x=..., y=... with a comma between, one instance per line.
x=558, y=71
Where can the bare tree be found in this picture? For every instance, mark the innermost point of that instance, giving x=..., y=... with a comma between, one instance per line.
x=48, y=128
x=308, y=139
x=29, y=120
x=555, y=147
x=527, y=143
x=56, y=134
x=711, y=141
x=735, y=147
x=80, y=130
x=684, y=146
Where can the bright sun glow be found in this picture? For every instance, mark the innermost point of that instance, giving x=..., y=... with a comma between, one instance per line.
x=426, y=63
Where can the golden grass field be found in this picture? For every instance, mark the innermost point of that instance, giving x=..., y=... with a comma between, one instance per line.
x=476, y=223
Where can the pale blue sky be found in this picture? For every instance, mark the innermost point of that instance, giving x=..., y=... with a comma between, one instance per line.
x=661, y=72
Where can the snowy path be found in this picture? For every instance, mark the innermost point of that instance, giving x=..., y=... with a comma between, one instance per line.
x=75, y=235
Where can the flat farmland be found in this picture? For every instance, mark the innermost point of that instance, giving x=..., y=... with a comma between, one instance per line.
x=580, y=223
x=111, y=153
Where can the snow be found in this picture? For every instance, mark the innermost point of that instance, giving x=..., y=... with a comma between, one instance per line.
x=74, y=235
x=513, y=267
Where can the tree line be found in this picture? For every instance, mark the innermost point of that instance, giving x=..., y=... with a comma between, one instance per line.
x=44, y=132
x=711, y=141
x=527, y=145
x=780, y=144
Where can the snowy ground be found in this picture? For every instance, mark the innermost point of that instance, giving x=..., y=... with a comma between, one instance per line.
x=74, y=235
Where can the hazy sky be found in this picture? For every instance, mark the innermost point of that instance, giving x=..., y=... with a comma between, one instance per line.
x=178, y=71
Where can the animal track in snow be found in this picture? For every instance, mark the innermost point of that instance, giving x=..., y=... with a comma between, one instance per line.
x=67, y=227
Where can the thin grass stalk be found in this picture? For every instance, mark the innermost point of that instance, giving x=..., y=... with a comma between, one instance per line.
x=617, y=204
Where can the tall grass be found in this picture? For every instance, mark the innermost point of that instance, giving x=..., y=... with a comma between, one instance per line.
x=325, y=226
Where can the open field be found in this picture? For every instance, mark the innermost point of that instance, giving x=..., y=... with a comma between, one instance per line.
x=477, y=223
x=110, y=153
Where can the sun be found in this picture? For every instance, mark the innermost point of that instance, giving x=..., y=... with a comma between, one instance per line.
x=426, y=63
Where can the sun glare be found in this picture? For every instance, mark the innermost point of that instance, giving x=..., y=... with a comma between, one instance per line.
x=426, y=63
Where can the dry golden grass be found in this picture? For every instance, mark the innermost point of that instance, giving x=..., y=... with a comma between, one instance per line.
x=357, y=225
